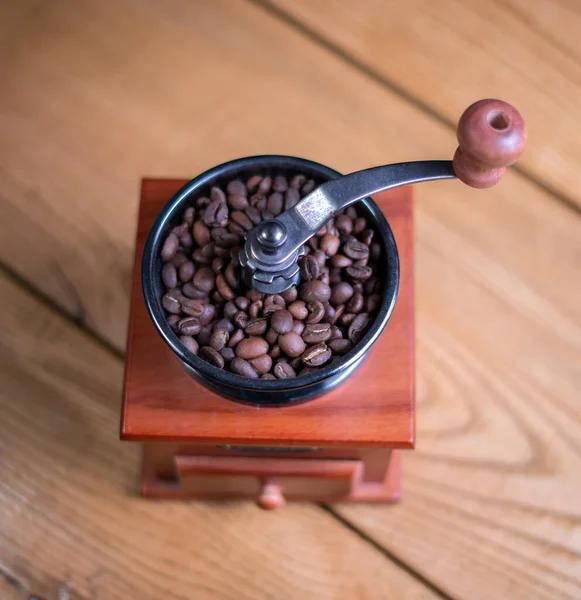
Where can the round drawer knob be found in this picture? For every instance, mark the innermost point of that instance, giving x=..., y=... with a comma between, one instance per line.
x=270, y=497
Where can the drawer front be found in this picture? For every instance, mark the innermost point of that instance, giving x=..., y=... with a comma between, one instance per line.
x=247, y=476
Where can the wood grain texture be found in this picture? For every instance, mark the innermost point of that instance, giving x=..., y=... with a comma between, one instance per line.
x=94, y=97
x=71, y=525
x=99, y=96
x=447, y=54
x=162, y=402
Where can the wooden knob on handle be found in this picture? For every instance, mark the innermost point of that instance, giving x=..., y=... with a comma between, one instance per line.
x=491, y=136
x=270, y=497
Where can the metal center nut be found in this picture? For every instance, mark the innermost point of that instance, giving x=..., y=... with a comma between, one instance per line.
x=271, y=234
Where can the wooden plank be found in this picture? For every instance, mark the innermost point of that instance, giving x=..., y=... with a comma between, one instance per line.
x=497, y=272
x=71, y=521
x=447, y=54
x=98, y=96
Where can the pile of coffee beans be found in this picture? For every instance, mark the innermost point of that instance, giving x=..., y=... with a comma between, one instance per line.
x=268, y=336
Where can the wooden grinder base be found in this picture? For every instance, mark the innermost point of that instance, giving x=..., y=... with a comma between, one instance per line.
x=342, y=446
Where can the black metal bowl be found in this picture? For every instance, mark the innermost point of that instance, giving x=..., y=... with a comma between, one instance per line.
x=243, y=389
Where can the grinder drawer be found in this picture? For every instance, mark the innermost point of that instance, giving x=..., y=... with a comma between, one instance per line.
x=292, y=478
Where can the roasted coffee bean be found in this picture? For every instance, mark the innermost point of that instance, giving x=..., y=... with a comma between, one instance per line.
x=240, y=319
x=291, y=344
x=242, y=302
x=242, y=219
x=225, y=239
x=204, y=336
x=201, y=234
x=282, y=370
x=359, y=225
x=325, y=278
x=191, y=292
x=265, y=185
x=222, y=252
x=329, y=244
x=344, y=224
x=186, y=240
x=316, y=332
x=290, y=295
x=329, y=312
x=321, y=258
x=339, y=311
x=296, y=363
x=173, y=321
x=282, y=321
x=218, y=265
x=308, y=187
x=309, y=268
x=227, y=354
x=208, y=314
x=199, y=257
x=204, y=279
x=170, y=247
x=347, y=318
x=223, y=287
x=189, y=215
x=169, y=275
x=361, y=262
x=275, y=203
x=235, y=338
x=314, y=290
x=253, y=182
x=202, y=202
x=298, y=181
x=179, y=259
x=357, y=286
x=313, y=243
x=335, y=276
x=291, y=197
x=268, y=376
x=237, y=202
x=251, y=347
x=372, y=286
x=358, y=327
x=236, y=187
x=359, y=273
x=190, y=344
x=272, y=303
x=235, y=228
x=257, y=327
x=171, y=304
x=189, y=326
x=255, y=309
x=261, y=364
x=232, y=276
x=340, y=261
x=230, y=309
x=372, y=303
x=339, y=346
x=254, y=295
x=366, y=236
x=336, y=333
x=219, y=338
x=316, y=311
x=298, y=310
x=275, y=352
x=217, y=298
x=341, y=293
x=217, y=195
x=316, y=356
x=355, y=305
x=212, y=356
x=355, y=250
x=239, y=366
x=280, y=184
x=179, y=230
x=272, y=336
x=187, y=271
x=298, y=327
x=253, y=214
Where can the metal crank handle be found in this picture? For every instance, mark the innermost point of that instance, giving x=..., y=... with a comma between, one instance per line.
x=491, y=136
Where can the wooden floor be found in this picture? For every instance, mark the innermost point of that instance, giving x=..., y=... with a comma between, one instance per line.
x=96, y=95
